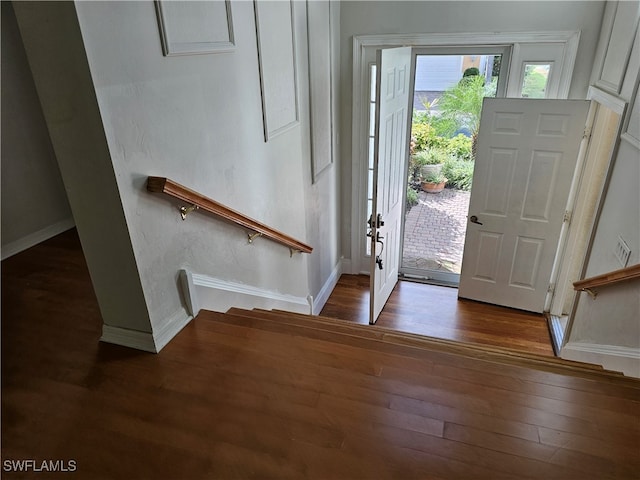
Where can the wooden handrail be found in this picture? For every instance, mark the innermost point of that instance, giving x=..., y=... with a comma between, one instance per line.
x=605, y=279
x=196, y=200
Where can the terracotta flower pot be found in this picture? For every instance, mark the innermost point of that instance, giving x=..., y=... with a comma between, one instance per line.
x=431, y=187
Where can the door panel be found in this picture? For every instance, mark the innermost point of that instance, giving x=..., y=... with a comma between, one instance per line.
x=527, y=150
x=390, y=150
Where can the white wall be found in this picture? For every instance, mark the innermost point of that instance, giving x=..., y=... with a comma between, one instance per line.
x=196, y=119
x=58, y=62
x=34, y=202
x=322, y=199
x=613, y=317
x=606, y=329
x=362, y=18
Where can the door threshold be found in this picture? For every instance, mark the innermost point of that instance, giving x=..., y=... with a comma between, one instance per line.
x=426, y=280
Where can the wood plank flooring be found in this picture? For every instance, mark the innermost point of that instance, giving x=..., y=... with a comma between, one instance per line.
x=436, y=312
x=251, y=395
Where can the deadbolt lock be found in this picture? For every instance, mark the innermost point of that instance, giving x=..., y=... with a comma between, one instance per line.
x=379, y=221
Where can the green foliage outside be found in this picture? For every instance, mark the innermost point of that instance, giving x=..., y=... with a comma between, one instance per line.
x=435, y=177
x=534, y=84
x=412, y=197
x=459, y=173
x=434, y=133
x=431, y=156
x=470, y=72
x=460, y=147
x=461, y=105
x=425, y=136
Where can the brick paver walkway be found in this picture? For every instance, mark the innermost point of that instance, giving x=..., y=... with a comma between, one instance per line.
x=435, y=230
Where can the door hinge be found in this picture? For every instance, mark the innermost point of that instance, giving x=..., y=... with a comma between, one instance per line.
x=587, y=132
x=551, y=288
x=567, y=217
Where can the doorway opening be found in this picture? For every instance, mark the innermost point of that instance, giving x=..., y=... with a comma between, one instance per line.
x=523, y=55
x=448, y=91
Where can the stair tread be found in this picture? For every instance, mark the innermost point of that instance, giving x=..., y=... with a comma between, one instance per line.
x=390, y=333
x=383, y=335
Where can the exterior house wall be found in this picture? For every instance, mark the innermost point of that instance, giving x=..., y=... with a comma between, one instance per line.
x=437, y=73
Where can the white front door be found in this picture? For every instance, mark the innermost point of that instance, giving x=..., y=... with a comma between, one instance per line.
x=390, y=151
x=525, y=161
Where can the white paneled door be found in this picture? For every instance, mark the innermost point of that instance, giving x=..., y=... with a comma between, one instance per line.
x=390, y=150
x=525, y=161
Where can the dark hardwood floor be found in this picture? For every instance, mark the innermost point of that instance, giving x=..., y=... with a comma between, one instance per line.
x=436, y=312
x=251, y=394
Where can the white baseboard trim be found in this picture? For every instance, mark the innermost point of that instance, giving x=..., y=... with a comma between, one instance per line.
x=189, y=292
x=209, y=293
x=146, y=341
x=327, y=288
x=35, y=238
x=128, y=338
x=169, y=329
x=346, y=265
x=611, y=357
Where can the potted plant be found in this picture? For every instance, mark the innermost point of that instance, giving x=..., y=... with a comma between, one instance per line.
x=430, y=161
x=434, y=183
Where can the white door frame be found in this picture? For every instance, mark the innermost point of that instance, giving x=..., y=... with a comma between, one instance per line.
x=592, y=169
x=363, y=44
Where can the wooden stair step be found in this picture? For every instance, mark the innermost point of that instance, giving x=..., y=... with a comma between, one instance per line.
x=223, y=400
x=344, y=336
x=388, y=336
x=405, y=338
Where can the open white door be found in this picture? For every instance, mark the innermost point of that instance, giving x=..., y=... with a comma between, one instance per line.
x=390, y=150
x=525, y=162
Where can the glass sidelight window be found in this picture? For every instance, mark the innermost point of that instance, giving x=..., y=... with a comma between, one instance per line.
x=535, y=80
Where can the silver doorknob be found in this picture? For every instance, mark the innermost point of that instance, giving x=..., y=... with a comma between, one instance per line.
x=474, y=219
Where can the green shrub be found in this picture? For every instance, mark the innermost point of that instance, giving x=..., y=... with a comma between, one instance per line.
x=462, y=103
x=420, y=116
x=460, y=147
x=424, y=135
x=459, y=173
x=435, y=177
x=534, y=83
x=412, y=197
x=470, y=72
x=432, y=156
